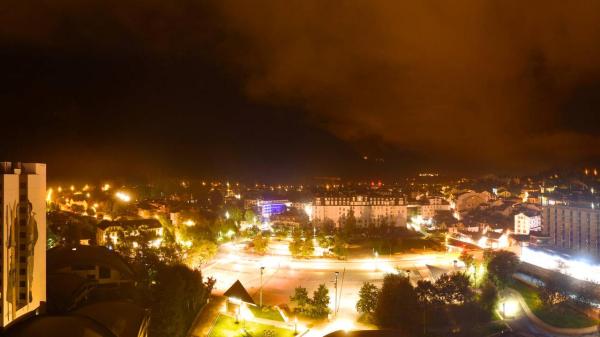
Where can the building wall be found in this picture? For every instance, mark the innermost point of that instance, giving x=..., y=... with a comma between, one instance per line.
x=367, y=210
x=23, y=240
x=572, y=228
x=104, y=275
x=524, y=224
x=470, y=200
x=435, y=204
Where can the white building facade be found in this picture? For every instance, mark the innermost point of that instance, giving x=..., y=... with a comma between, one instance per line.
x=525, y=223
x=433, y=206
x=367, y=210
x=23, y=216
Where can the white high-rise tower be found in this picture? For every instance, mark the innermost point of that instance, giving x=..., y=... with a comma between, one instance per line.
x=23, y=254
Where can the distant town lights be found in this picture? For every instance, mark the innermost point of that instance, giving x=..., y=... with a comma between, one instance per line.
x=189, y=223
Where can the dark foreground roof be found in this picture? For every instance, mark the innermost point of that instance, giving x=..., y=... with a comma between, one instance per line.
x=366, y=333
x=102, y=319
x=61, y=257
x=237, y=290
x=58, y=326
x=122, y=318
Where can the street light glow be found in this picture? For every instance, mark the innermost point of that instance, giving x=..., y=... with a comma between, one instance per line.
x=509, y=308
x=123, y=196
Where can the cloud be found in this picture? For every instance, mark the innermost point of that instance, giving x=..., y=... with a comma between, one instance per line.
x=477, y=82
x=484, y=85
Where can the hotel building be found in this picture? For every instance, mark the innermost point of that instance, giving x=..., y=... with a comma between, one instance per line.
x=368, y=210
x=573, y=228
x=23, y=254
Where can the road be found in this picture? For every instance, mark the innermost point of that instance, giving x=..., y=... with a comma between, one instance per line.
x=282, y=274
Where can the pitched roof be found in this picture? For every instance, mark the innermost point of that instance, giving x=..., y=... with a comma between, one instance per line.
x=237, y=290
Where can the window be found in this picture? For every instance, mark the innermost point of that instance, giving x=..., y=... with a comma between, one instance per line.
x=104, y=272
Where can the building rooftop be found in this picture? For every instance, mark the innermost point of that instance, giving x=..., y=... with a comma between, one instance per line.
x=57, y=326
x=237, y=290
x=61, y=257
x=122, y=318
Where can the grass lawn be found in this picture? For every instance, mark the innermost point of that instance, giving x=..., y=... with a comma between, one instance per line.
x=405, y=244
x=489, y=329
x=560, y=315
x=266, y=313
x=225, y=326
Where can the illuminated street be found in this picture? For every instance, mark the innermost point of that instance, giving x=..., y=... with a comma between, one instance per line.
x=283, y=273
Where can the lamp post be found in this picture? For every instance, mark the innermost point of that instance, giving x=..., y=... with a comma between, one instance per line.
x=337, y=273
x=261, y=285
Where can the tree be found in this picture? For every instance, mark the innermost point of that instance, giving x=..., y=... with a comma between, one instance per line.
x=368, y=295
x=235, y=214
x=295, y=246
x=178, y=295
x=328, y=226
x=250, y=216
x=397, y=302
x=349, y=224
x=454, y=288
x=200, y=252
x=308, y=248
x=301, y=300
x=466, y=258
x=426, y=293
x=339, y=246
x=260, y=244
x=501, y=266
x=320, y=302
x=488, y=298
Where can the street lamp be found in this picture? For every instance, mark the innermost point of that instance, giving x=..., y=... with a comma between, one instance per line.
x=337, y=273
x=262, y=269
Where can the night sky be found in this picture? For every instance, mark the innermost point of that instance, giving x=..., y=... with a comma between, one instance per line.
x=275, y=90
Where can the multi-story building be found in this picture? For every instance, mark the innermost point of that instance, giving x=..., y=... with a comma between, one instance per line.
x=432, y=206
x=470, y=200
x=368, y=210
x=23, y=254
x=526, y=222
x=573, y=228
